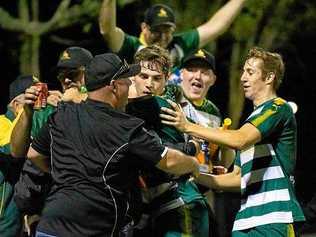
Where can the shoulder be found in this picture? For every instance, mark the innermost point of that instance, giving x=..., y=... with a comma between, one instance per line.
x=209, y=107
x=173, y=92
x=193, y=33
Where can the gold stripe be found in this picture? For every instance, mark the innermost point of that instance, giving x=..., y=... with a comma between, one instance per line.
x=187, y=222
x=2, y=198
x=263, y=117
x=290, y=231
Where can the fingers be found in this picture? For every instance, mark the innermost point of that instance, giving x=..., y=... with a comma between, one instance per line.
x=54, y=97
x=55, y=93
x=31, y=95
x=174, y=105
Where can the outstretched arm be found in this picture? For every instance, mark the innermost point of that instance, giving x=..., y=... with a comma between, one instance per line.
x=219, y=22
x=113, y=35
x=237, y=139
x=176, y=162
x=226, y=182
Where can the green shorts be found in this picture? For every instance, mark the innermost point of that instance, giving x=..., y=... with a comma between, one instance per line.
x=189, y=220
x=275, y=230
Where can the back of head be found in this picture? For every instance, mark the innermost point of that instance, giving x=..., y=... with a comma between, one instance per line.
x=107, y=67
x=157, y=56
x=19, y=85
x=159, y=14
x=272, y=63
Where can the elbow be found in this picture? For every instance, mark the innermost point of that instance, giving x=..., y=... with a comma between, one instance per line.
x=17, y=153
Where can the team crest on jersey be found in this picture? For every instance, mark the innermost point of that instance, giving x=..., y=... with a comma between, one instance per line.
x=200, y=54
x=65, y=55
x=162, y=13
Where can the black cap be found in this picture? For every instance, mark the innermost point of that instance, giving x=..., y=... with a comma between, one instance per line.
x=159, y=14
x=106, y=67
x=200, y=55
x=19, y=85
x=74, y=57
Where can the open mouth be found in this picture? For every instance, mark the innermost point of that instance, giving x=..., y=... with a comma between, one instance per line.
x=196, y=86
x=147, y=93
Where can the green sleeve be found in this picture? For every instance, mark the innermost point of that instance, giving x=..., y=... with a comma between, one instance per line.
x=188, y=41
x=129, y=48
x=40, y=117
x=271, y=118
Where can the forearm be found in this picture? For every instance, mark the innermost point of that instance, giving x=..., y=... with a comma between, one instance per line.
x=176, y=162
x=21, y=135
x=107, y=17
x=112, y=34
x=221, y=137
x=220, y=21
x=226, y=182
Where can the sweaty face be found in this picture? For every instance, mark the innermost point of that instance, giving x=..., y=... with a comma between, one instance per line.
x=151, y=80
x=197, y=78
x=252, y=79
x=160, y=35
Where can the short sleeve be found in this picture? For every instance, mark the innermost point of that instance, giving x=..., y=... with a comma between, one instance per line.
x=129, y=48
x=188, y=41
x=146, y=145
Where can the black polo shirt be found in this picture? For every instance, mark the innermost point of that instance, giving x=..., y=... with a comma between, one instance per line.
x=96, y=153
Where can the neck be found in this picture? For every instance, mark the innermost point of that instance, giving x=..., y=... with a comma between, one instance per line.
x=264, y=97
x=102, y=95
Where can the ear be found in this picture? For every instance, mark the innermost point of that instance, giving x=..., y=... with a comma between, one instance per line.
x=113, y=85
x=270, y=77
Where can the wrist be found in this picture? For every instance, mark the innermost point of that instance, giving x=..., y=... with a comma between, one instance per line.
x=28, y=110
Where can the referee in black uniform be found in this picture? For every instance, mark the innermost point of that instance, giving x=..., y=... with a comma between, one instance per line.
x=94, y=152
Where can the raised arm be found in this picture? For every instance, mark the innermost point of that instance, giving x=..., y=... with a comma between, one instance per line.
x=220, y=21
x=176, y=162
x=113, y=35
x=21, y=133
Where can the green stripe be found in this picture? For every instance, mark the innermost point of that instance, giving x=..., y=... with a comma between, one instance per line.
x=265, y=186
x=278, y=206
x=248, y=167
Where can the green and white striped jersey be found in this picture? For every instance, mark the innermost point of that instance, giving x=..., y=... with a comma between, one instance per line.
x=267, y=192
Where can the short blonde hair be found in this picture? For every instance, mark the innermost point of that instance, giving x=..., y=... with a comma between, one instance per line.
x=272, y=63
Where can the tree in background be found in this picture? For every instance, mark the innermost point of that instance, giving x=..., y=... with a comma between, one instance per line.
x=31, y=29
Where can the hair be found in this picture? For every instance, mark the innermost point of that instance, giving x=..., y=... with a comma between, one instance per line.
x=272, y=63
x=155, y=55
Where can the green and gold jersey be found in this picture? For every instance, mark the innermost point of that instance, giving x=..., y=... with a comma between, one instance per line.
x=181, y=46
x=267, y=169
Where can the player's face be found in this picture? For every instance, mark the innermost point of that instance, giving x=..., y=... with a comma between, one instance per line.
x=150, y=81
x=196, y=81
x=252, y=79
x=160, y=35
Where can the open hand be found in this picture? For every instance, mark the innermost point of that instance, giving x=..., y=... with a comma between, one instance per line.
x=174, y=117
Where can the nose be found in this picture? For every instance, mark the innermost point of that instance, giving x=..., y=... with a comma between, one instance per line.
x=243, y=77
x=198, y=74
x=149, y=82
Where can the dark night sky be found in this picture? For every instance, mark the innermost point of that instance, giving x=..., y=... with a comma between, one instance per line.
x=299, y=85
